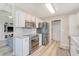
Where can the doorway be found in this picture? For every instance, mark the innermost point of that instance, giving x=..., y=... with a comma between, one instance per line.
x=56, y=30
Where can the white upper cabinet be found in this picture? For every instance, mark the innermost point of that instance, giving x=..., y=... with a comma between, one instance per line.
x=78, y=19
x=38, y=21
x=72, y=24
x=30, y=18
x=75, y=19
x=19, y=19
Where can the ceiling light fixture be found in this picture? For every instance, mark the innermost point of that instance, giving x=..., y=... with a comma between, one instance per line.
x=50, y=7
x=10, y=17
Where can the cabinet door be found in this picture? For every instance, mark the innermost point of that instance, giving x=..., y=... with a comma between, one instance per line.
x=30, y=18
x=37, y=22
x=73, y=25
x=77, y=19
x=40, y=39
x=21, y=19
x=75, y=46
x=18, y=47
x=26, y=46
x=16, y=19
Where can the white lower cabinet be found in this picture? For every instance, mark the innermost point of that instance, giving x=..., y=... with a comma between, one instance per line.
x=74, y=46
x=40, y=39
x=22, y=46
x=26, y=46
x=73, y=50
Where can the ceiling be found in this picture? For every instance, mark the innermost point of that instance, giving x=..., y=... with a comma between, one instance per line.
x=40, y=10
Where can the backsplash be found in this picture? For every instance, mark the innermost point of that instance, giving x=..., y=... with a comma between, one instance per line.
x=29, y=32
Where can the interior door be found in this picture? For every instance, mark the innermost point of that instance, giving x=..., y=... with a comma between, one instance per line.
x=56, y=30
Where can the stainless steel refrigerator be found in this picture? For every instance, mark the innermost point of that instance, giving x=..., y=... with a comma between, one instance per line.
x=44, y=30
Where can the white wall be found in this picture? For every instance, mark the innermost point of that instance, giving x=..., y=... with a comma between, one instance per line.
x=69, y=27
x=64, y=32
x=64, y=29
x=73, y=26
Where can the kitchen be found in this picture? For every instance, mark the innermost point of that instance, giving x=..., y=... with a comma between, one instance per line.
x=31, y=29
x=26, y=29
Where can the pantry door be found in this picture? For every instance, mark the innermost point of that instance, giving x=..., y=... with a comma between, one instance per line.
x=56, y=30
